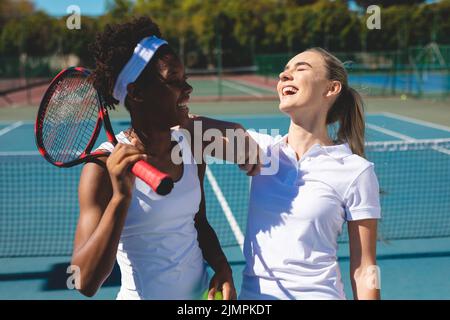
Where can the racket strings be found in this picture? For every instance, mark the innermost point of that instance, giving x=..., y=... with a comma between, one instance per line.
x=81, y=128
x=61, y=112
x=62, y=117
x=76, y=138
x=70, y=118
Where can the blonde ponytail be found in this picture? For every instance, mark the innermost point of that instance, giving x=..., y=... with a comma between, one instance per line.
x=348, y=109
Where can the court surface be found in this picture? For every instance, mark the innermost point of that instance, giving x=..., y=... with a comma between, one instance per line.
x=36, y=229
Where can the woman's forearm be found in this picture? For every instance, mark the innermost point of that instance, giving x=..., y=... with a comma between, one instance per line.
x=233, y=139
x=96, y=258
x=211, y=250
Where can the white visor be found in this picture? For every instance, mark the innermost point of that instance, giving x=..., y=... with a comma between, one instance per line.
x=142, y=55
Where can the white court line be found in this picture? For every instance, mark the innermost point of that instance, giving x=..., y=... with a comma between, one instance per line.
x=4, y=122
x=375, y=143
x=19, y=153
x=11, y=127
x=374, y=113
x=226, y=208
x=274, y=91
x=390, y=132
x=403, y=137
x=442, y=150
x=416, y=121
x=242, y=88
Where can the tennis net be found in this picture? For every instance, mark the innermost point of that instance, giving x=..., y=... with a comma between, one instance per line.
x=39, y=206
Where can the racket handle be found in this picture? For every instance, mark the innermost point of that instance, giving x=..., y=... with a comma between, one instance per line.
x=160, y=182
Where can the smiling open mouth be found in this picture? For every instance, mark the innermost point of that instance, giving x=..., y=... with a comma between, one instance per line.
x=183, y=106
x=289, y=90
x=183, y=103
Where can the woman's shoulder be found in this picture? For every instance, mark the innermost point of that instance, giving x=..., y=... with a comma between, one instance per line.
x=351, y=169
x=121, y=137
x=358, y=161
x=360, y=172
x=356, y=165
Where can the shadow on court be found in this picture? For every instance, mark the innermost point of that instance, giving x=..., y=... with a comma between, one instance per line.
x=56, y=277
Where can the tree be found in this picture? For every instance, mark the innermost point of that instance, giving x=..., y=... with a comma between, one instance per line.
x=441, y=24
x=118, y=9
x=293, y=3
x=387, y=3
x=256, y=23
x=195, y=27
x=334, y=27
x=207, y=19
x=13, y=10
x=33, y=35
x=77, y=41
x=174, y=19
x=395, y=33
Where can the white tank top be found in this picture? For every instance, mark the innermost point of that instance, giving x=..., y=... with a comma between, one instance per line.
x=158, y=254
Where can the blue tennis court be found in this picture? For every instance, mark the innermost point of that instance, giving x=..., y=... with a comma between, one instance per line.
x=433, y=82
x=39, y=209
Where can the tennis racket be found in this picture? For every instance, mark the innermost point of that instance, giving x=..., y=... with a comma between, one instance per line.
x=69, y=121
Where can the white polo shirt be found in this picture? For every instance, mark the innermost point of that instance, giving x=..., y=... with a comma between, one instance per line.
x=296, y=215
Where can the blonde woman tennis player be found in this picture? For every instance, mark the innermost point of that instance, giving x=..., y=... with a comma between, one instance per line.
x=296, y=215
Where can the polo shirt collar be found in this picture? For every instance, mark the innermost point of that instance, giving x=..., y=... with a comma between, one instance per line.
x=337, y=152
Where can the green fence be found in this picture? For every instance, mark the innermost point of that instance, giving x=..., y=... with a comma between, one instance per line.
x=29, y=67
x=416, y=71
x=24, y=73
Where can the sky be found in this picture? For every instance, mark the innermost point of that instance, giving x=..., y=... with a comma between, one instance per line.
x=59, y=7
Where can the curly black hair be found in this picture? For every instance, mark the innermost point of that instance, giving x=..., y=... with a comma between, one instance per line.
x=113, y=48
